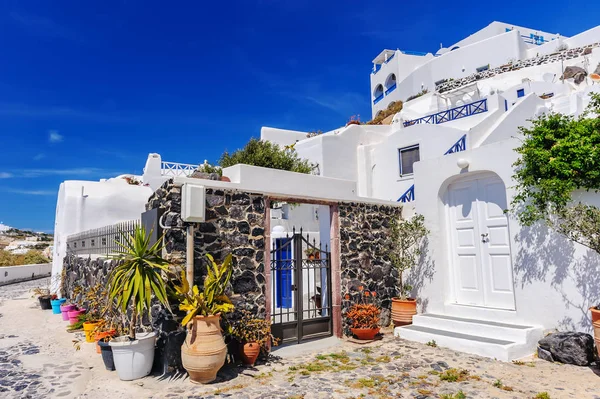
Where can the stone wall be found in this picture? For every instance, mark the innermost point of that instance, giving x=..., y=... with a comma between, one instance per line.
x=234, y=224
x=364, y=252
x=558, y=56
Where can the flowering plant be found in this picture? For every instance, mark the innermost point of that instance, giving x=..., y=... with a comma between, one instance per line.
x=251, y=329
x=364, y=314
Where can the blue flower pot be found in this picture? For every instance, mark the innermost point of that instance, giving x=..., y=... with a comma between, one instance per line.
x=56, y=304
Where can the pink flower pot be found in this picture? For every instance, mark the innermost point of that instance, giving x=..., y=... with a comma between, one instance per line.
x=74, y=314
x=65, y=309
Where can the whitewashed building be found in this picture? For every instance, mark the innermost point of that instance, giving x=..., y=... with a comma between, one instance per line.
x=488, y=285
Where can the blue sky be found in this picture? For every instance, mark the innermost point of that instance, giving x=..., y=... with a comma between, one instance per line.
x=88, y=89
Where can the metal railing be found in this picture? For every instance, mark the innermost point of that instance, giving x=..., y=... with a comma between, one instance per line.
x=378, y=98
x=177, y=169
x=101, y=241
x=390, y=89
x=459, y=146
x=408, y=196
x=451, y=114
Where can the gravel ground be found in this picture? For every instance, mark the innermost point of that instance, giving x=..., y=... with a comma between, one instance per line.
x=37, y=360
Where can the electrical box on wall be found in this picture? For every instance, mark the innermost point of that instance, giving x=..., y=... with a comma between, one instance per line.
x=193, y=200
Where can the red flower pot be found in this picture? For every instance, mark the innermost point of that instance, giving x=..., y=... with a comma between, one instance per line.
x=365, y=333
x=249, y=353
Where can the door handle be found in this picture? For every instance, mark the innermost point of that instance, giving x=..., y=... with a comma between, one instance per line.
x=484, y=238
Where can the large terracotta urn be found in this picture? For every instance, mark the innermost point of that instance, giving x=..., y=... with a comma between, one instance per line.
x=203, y=352
x=403, y=311
x=596, y=325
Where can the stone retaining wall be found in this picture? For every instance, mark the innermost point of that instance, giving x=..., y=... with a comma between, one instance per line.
x=364, y=252
x=541, y=60
x=234, y=224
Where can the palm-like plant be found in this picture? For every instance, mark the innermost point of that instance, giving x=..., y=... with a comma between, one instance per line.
x=138, y=277
x=213, y=299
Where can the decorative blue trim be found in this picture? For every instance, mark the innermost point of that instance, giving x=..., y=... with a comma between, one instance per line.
x=391, y=89
x=460, y=145
x=420, y=53
x=408, y=196
x=377, y=99
x=451, y=114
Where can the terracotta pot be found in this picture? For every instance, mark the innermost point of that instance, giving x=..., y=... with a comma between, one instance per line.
x=249, y=353
x=365, y=333
x=596, y=324
x=403, y=311
x=204, y=350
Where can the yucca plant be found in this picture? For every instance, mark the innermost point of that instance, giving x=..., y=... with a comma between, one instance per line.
x=212, y=299
x=138, y=277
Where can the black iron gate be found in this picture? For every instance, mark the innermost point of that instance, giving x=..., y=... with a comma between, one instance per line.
x=300, y=289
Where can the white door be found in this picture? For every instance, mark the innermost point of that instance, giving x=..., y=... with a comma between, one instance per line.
x=480, y=243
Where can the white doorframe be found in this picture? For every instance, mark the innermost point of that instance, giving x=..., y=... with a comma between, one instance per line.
x=491, y=265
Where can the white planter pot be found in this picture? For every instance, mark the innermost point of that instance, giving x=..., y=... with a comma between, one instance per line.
x=133, y=359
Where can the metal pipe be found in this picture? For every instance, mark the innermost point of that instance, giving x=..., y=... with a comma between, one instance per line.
x=189, y=257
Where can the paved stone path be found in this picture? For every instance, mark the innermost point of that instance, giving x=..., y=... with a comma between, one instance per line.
x=37, y=360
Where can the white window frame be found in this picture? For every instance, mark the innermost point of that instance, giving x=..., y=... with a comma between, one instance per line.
x=410, y=147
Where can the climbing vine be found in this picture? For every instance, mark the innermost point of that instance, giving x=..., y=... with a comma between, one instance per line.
x=559, y=154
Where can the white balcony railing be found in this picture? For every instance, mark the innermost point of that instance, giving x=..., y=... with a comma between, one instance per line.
x=177, y=169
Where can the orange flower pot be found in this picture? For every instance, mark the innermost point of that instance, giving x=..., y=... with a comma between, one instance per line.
x=596, y=323
x=403, y=311
x=249, y=353
x=365, y=333
x=100, y=335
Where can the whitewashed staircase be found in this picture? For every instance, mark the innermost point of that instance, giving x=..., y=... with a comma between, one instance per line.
x=500, y=341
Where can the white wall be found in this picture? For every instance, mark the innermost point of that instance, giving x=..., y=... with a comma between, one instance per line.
x=587, y=37
x=281, y=137
x=13, y=274
x=84, y=205
x=553, y=278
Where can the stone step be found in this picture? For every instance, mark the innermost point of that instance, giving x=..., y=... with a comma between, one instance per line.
x=481, y=328
x=500, y=349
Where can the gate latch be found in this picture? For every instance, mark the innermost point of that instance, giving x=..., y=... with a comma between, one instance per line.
x=294, y=288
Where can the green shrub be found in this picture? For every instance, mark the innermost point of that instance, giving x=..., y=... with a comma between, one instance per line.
x=267, y=155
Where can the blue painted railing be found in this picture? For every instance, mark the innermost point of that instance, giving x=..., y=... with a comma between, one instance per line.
x=413, y=52
x=390, y=58
x=378, y=98
x=390, y=89
x=459, y=146
x=408, y=196
x=451, y=114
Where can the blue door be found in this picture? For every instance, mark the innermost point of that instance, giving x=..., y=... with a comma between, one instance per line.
x=283, y=273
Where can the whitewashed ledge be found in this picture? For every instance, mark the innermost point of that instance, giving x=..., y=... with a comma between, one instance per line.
x=15, y=274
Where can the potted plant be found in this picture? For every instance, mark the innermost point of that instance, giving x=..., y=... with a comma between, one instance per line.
x=44, y=297
x=254, y=336
x=65, y=308
x=364, y=315
x=312, y=253
x=204, y=350
x=132, y=284
x=406, y=237
x=95, y=301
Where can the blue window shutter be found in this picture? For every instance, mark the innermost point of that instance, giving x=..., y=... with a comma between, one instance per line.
x=521, y=93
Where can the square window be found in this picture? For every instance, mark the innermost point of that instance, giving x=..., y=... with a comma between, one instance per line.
x=407, y=157
x=521, y=93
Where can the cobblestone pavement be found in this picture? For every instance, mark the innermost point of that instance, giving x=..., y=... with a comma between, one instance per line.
x=37, y=360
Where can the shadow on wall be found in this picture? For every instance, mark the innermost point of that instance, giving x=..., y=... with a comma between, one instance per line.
x=547, y=256
x=422, y=273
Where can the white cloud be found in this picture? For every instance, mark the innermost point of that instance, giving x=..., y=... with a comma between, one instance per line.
x=39, y=156
x=54, y=137
x=5, y=175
